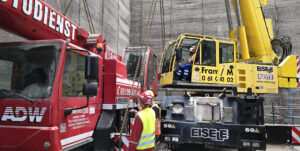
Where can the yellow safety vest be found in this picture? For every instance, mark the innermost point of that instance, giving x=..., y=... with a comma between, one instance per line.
x=157, y=123
x=192, y=58
x=147, y=138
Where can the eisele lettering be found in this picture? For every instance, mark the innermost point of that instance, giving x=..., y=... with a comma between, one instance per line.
x=267, y=69
x=210, y=133
x=20, y=114
x=46, y=16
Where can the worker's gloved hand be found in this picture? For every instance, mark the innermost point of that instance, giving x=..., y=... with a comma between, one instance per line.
x=132, y=113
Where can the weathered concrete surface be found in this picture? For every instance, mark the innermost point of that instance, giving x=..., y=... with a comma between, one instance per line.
x=110, y=18
x=180, y=17
x=208, y=17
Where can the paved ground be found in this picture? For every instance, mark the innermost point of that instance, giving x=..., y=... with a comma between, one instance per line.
x=163, y=147
x=282, y=148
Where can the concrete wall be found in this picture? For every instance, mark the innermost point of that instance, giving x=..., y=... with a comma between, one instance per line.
x=110, y=18
x=180, y=17
x=208, y=17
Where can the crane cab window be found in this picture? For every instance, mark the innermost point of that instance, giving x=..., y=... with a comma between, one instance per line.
x=208, y=53
x=226, y=53
x=151, y=69
x=189, y=46
x=168, y=56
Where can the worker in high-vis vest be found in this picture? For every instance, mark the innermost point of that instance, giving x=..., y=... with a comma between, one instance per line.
x=157, y=111
x=143, y=133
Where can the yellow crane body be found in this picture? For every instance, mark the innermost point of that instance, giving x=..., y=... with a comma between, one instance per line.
x=217, y=65
x=244, y=62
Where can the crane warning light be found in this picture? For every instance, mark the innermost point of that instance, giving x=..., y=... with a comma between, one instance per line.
x=99, y=47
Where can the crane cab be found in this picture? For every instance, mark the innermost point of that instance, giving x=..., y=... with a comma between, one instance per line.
x=214, y=63
x=195, y=60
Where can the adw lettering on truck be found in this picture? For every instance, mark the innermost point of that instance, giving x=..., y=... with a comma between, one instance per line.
x=20, y=114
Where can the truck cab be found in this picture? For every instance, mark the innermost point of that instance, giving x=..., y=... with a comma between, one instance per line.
x=148, y=60
x=67, y=94
x=42, y=94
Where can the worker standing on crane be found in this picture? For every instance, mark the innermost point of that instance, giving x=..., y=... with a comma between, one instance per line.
x=143, y=133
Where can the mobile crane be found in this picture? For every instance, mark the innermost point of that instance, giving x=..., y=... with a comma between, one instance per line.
x=65, y=89
x=206, y=114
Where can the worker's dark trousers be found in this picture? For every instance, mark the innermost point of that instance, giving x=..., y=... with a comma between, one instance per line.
x=183, y=71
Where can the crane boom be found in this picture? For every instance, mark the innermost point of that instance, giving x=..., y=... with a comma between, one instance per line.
x=35, y=20
x=257, y=32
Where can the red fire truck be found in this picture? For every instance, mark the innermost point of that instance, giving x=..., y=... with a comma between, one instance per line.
x=65, y=89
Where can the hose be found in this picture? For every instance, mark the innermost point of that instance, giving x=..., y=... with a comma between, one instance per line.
x=282, y=46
